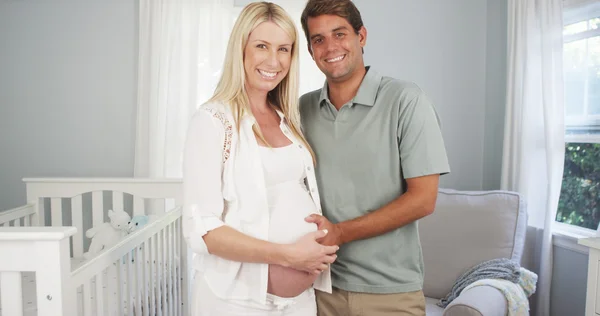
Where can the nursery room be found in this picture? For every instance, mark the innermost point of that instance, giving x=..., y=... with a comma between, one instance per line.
x=106, y=131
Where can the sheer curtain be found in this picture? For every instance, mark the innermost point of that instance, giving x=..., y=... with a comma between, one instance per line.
x=534, y=145
x=181, y=48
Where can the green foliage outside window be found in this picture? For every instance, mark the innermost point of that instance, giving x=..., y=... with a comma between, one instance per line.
x=579, y=202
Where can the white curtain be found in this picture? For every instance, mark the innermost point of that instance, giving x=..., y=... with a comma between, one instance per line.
x=533, y=156
x=182, y=44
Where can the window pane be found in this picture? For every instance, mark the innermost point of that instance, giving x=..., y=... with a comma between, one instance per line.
x=575, y=28
x=579, y=202
x=594, y=23
x=594, y=75
x=574, y=75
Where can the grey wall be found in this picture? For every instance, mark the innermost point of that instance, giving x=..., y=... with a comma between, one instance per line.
x=495, y=98
x=67, y=90
x=440, y=45
x=569, y=283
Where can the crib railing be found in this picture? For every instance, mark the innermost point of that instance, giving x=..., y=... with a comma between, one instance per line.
x=44, y=251
x=149, y=278
x=18, y=217
x=59, y=212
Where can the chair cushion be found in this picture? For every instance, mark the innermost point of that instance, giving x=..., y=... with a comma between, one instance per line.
x=467, y=228
x=431, y=309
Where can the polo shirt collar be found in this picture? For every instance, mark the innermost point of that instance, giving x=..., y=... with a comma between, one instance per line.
x=367, y=92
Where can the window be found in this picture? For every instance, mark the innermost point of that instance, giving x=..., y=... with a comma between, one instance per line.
x=579, y=202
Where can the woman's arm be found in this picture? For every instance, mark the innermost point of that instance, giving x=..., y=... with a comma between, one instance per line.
x=203, y=205
x=306, y=254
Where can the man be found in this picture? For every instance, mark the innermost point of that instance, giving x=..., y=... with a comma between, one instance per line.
x=380, y=154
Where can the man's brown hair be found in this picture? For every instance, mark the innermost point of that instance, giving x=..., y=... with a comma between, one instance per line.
x=342, y=8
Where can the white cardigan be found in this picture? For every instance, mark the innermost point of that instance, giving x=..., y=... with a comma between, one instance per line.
x=223, y=184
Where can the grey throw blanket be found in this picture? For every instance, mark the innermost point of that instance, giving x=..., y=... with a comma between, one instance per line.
x=503, y=268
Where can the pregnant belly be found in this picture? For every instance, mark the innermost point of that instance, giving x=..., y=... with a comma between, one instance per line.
x=289, y=206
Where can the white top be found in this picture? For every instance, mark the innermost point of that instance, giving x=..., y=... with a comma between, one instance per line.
x=223, y=184
x=287, y=195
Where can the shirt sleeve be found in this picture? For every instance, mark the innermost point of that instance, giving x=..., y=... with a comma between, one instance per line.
x=202, y=179
x=422, y=149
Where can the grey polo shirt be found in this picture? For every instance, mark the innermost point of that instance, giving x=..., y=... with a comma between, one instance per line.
x=389, y=132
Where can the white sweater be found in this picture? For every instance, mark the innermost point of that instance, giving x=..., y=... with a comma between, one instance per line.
x=223, y=184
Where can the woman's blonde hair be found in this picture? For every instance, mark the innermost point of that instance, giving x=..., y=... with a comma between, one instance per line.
x=231, y=87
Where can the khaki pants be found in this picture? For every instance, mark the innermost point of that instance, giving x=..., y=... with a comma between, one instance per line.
x=344, y=303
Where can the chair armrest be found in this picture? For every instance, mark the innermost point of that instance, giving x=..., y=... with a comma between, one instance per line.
x=478, y=301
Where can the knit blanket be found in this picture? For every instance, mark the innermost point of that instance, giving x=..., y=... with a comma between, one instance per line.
x=516, y=294
x=503, y=269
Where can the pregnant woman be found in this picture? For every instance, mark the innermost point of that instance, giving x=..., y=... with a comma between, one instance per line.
x=249, y=182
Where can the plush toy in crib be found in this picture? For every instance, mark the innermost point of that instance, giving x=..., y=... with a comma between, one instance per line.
x=136, y=223
x=107, y=234
x=139, y=221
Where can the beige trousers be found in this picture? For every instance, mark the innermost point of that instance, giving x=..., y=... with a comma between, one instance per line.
x=344, y=303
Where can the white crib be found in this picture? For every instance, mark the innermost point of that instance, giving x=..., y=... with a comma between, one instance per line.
x=42, y=269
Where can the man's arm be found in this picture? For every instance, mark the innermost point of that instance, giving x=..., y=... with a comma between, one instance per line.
x=418, y=202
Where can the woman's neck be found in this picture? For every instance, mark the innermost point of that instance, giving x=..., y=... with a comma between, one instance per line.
x=258, y=102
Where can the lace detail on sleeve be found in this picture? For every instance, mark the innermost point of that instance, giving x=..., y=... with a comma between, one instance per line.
x=228, y=128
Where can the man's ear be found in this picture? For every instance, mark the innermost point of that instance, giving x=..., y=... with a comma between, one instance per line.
x=362, y=36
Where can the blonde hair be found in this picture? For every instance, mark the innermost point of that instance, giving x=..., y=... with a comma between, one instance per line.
x=231, y=87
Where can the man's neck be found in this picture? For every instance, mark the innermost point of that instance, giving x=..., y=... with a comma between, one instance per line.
x=340, y=92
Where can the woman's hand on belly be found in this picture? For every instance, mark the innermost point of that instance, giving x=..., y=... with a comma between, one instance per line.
x=307, y=255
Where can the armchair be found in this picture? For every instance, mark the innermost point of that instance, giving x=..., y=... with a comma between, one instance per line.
x=467, y=228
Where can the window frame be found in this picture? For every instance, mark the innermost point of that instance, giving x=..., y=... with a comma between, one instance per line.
x=574, y=12
x=577, y=127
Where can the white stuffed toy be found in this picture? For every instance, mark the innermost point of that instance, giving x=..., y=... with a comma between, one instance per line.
x=107, y=234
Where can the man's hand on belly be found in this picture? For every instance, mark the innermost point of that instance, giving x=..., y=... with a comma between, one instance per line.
x=334, y=235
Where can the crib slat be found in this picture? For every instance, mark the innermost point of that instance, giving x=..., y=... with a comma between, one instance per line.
x=159, y=249
x=145, y=280
x=97, y=208
x=117, y=200
x=152, y=279
x=138, y=206
x=119, y=287
x=163, y=270
x=77, y=220
x=130, y=284
x=17, y=222
x=159, y=291
x=138, y=284
x=100, y=299
x=11, y=293
x=109, y=298
x=87, y=299
x=178, y=273
x=39, y=217
x=171, y=270
x=56, y=211
x=27, y=221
